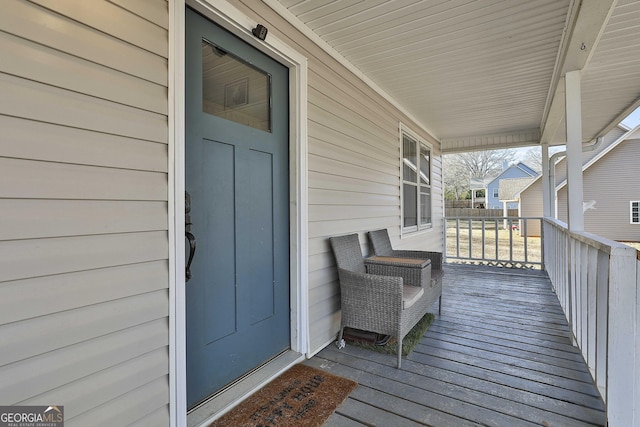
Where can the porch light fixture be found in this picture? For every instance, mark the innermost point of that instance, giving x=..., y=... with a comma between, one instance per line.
x=260, y=31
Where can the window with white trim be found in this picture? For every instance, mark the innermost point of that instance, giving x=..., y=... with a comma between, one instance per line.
x=416, y=184
x=634, y=212
x=495, y=192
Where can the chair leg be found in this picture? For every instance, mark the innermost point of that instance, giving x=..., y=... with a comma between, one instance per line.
x=399, y=351
x=440, y=304
x=340, y=343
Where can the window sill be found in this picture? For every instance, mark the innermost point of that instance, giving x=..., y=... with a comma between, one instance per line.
x=411, y=232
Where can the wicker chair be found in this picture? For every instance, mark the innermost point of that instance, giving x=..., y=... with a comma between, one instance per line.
x=381, y=246
x=374, y=303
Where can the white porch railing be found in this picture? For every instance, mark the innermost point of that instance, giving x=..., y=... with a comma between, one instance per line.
x=500, y=241
x=597, y=282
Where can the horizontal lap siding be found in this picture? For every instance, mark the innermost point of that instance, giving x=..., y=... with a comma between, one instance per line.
x=83, y=199
x=612, y=184
x=531, y=206
x=354, y=167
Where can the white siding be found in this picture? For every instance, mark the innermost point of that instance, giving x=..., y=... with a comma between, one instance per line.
x=531, y=200
x=531, y=206
x=83, y=205
x=609, y=138
x=354, y=167
x=610, y=183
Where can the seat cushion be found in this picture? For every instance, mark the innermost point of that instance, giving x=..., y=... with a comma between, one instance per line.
x=411, y=294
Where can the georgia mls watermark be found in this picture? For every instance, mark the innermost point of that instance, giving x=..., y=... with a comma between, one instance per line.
x=31, y=416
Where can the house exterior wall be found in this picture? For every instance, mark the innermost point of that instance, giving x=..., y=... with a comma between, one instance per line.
x=83, y=200
x=561, y=166
x=513, y=171
x=354, y=169
x=531, y=206
x=608, y=181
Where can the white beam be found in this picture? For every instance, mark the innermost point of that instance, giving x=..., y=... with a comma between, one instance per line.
x=546, y=193
x=574, y=151
x=586, y=22
x=521, y=138
x=555, y=114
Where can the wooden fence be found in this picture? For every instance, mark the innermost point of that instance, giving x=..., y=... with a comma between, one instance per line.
x=478, y=213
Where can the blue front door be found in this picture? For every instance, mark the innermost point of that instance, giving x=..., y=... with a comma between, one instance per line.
x=238, y=178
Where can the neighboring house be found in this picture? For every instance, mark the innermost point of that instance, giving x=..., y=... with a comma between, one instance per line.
x=608, y=173
x=478, y=188
x=611, y=181
x=517, y=170
x=509, y=191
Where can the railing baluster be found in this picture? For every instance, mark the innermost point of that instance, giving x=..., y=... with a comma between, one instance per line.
x=510, y=222
x=483, y=240
x=523, y=229
x=523, y=256
x=496, y=232
x=470, y=238
x=457, y=238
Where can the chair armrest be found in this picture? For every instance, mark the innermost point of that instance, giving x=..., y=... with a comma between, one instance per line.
x=435, y=257
x=370, y=293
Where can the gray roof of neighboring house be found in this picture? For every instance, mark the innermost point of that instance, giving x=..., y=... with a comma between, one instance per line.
x=509, y=188
x=476, y=183
x=479, y=183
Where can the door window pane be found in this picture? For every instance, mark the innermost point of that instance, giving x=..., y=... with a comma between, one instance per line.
x=234, y=89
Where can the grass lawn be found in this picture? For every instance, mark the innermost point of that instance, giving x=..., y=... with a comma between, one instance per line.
x=499, y=244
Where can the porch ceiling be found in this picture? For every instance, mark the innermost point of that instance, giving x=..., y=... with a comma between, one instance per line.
x=488, y=73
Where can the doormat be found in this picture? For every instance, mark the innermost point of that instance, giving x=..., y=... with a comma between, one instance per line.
x=301, y=396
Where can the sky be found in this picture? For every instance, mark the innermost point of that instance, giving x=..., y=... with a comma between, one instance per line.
x=632, y=119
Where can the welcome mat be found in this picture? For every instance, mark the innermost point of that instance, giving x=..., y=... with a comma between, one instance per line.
x=301, y=396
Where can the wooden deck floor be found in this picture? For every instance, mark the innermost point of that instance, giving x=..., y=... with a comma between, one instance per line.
x=498, y=355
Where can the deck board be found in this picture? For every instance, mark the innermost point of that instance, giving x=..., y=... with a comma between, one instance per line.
x=499, y=354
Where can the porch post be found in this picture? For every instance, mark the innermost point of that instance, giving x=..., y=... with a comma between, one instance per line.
x=504, y=214
x=574, y=150
x=546, y=191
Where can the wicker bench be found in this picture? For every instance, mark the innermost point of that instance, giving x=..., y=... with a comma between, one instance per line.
x=379, y=303
x=381, y=246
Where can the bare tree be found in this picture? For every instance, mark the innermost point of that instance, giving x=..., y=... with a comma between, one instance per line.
x=482, y=164
x=460, y=168
x=533, y=158
x=456, y=179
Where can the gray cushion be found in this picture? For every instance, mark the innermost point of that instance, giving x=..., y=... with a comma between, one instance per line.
x=411, y=294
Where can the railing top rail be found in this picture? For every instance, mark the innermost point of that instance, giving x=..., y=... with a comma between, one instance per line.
x=479, y=218
x=601, y=243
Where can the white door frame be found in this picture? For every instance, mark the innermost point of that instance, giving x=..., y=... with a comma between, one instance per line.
x=227, y=16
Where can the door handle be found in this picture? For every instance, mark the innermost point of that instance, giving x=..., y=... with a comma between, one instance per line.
x=190, y=237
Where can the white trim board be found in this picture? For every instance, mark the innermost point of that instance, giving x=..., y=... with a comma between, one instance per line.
x=176, y=187
x=227, y=16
